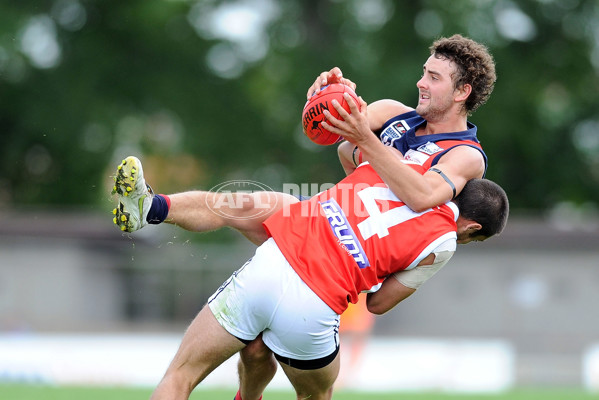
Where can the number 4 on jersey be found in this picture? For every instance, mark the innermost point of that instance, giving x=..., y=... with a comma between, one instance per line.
x=378, y=223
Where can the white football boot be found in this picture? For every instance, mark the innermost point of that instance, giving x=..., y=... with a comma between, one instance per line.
x=135, y=196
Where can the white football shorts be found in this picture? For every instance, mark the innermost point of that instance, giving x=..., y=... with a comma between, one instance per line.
x=266, y=295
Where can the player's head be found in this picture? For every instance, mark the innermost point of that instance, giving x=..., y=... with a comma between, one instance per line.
x=484, y=210
x=474, y=66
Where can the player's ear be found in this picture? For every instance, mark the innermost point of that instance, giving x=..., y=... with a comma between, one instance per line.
x=463, y=92
x=472, y=227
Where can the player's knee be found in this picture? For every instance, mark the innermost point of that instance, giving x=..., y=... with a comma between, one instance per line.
x=252, y=206
x=177, y=382
x=245, y=202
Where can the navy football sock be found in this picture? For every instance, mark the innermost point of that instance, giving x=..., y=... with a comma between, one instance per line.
x=159, y=209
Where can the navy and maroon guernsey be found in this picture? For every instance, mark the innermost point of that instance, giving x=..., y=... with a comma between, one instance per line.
x=425, y=150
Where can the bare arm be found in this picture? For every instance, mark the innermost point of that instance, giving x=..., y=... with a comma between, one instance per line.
x=392, y=291
x=400, y=285
x=419, y=192
x=347, y=153
x=350, y=156
x=379, y=112
x=388, y=296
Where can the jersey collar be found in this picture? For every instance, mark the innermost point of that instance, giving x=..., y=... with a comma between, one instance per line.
x=414, y=141
x=455, y=209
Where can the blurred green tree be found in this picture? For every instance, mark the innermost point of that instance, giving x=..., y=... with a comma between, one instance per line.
x=212, y=90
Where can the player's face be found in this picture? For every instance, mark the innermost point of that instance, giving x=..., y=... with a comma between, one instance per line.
x=435, y=89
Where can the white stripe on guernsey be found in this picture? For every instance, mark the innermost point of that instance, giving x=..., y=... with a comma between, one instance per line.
x=439, y=242
x=454, y=208
x=373, y=289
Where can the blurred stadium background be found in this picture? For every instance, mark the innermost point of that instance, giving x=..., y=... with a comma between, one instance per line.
x=206, y=91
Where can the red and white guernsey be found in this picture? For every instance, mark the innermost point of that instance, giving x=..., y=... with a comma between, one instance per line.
x=348, y=239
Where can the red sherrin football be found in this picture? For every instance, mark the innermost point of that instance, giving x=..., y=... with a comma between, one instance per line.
x=312, y=115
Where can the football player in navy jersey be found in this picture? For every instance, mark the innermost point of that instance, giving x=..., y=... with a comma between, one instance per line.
x=457, y=78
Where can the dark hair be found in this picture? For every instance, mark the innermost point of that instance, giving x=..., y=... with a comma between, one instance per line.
x=475, y=66
x=485, y=202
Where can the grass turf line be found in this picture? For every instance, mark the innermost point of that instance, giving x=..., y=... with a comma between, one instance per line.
x=31, y=392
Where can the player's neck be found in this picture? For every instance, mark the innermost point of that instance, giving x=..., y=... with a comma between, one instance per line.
x=443, y=126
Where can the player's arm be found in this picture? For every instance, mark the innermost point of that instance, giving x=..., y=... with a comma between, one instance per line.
x=434, y=187
x=402, y=284
x=379, y=112
x=348, y=156
x=418, y=191
x=388, y=296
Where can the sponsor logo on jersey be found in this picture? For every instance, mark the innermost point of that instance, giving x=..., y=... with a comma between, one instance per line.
x=344, y=232
x=393, y=132
x=415, y=157
x=429, y=148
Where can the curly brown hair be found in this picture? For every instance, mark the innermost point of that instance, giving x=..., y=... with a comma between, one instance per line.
x=475, y=66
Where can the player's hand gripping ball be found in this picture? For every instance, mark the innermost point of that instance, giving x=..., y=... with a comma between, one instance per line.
x=312, y=115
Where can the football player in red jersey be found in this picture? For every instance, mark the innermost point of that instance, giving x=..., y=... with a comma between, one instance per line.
x=457, y=78
x=355, y=237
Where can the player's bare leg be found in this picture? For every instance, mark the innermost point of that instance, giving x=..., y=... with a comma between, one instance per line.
x=201, y=211
x=205, y=346
x=315, y=384
x=257, y=366
x=197, y=211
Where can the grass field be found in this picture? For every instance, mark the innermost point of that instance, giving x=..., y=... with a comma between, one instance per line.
x=31, y=392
